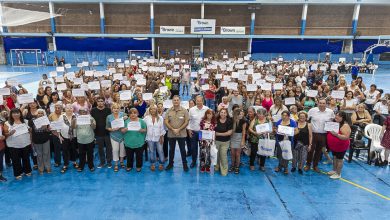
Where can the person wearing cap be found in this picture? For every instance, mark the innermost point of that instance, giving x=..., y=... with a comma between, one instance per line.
x=85, y=139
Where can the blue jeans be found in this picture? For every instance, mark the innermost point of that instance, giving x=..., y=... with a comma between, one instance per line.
x=194, y=146
x=210, y=103
x=153, y=146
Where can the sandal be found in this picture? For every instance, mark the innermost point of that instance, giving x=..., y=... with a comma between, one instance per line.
x=286, y=171
x=63, y=170
x=123, y=165
x=75, y=165
x=116, y=168
x=277, y=169
x=237, y=170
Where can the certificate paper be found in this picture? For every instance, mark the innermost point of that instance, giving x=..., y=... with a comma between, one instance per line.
x=207, y=135
x=261, y=128
x=41, y=121
x=289, y=101
x=134, y=126
x=332, y=126
x=25, y=98
x=83, y=120
x=20, y=129
x=289, y=131
x=118, y=123
x=57, y=125
x=125, y=95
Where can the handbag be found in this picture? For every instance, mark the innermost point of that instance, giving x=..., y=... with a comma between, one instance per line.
x=213, y=154
x=285, y=146
x=266, y=147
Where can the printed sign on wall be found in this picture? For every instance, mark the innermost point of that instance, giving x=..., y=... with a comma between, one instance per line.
x=171, y=29
x=232, y=30
x=202, y=26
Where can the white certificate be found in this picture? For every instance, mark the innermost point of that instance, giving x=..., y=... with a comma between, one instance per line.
x=60, y=79
x=289, y=131
x=276, y=118
x=261, y=128
x=83, y=120
x=204, y=76
x=118, y=123
x=95, y=63
x=278, y=86
x=61, y=86
x=147, y=96
x=207, y=135
x=141, y=82
x=53, y=74
x=266, y=86
x=312, y=93
x=134, y=126
x=68, y=66
x=176, y=74
x=57, y=125
x=118, y=76
x=125, y=95
x=185, y=104
x=205, y=87
x=332, y=126
x=235, y=75
x=41, y=121
x=232, y=85
x=78, y=81
x=105, y=83
x=289, y=101
x=164, y=89
x=194, y=74
x=89, y=73
x=251, y=87
x=224, y=83
x=218, y=76
x=26, y=98
x=78, y=92
x=95, y=85
x=60, y=69
x=338, y=94
x=79, y=65
x=5, y=91
x=167, y=103
x=20, y=129
x=85, y=63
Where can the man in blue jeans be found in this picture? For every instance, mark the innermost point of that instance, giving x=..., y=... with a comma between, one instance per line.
x=196, y=114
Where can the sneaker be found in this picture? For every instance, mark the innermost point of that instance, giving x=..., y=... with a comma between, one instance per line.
x=335, y=176
x=231, y=169
x=116, y=168
x=64, y=168
x=75, y=165
x=293, y=169
x=169, y=167
x=138, y=169
x=28, y=174
x=202, y=169
x=109, y=166
x=79, y=170
x=3, y=179
x=208, y=169
x=185, y=168
x=92, y=169
x=262, y=169
x=19, y=177
x=100, y=166
x=35, y=167
x=330, y=173
x=128, y=169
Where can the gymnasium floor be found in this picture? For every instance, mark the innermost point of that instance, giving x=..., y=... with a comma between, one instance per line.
x=362, y=193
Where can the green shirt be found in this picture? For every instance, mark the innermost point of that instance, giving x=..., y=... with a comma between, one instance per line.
x=134, y=139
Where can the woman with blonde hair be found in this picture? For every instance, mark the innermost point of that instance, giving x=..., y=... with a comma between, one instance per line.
x=116, y=136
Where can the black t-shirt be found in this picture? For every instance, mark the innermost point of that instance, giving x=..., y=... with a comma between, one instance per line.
x=240, y=125
x=100, y=117
x=223, y=127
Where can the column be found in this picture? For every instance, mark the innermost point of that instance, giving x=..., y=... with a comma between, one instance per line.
x=201, y=39
x=53, y=24
x=303, y=20
x=251, y=32
x=102, y=18
x=152, y=26
x=355, y=18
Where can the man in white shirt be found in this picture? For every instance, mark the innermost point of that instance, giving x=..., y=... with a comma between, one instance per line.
x=196, y=114
x=381, y=109
x=318, y=116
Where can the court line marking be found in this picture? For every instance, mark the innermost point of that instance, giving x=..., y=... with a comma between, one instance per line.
x=356, y=185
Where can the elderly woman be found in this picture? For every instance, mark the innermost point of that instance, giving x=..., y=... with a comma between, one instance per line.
x=18, y=139
x=155, y=137
x=134, y=134
x=68, y=139
x=56, y=116
x=361, y=117
x=84, y=126
x=276, y=109
x=41, y=141
x=116, y=136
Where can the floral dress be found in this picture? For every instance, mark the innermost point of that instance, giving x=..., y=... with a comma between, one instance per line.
x=205, y=145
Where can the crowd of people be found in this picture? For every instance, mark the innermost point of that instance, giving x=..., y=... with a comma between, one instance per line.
x=298, y=111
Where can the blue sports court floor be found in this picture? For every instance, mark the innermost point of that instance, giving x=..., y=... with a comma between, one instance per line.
x=363, y=193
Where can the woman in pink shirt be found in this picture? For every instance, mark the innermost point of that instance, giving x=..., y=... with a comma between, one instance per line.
x=267, y=101
x=81, y=102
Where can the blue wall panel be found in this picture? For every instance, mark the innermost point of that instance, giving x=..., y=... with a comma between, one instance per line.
x=25, y=43
x=102, y=44
x=361, y=45
x=296, y=46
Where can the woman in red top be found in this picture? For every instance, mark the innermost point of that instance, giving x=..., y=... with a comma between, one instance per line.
x=209, y=95
x=338, y=143
x=268, y=100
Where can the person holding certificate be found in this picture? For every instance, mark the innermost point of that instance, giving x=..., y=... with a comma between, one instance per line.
x=134, y=133
x=254, y=136
x=18, y=139
x=238, y=139
x=338, y=143
x=41, y=140
x=85, y=138
x=207, y=123
x=176, y=120
x=56, y=117
x=155, y=137
x=223, y=131
x=287, y=122
x=302, y=140
x=81, y=102
x=68, y=139
x=114, y=122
